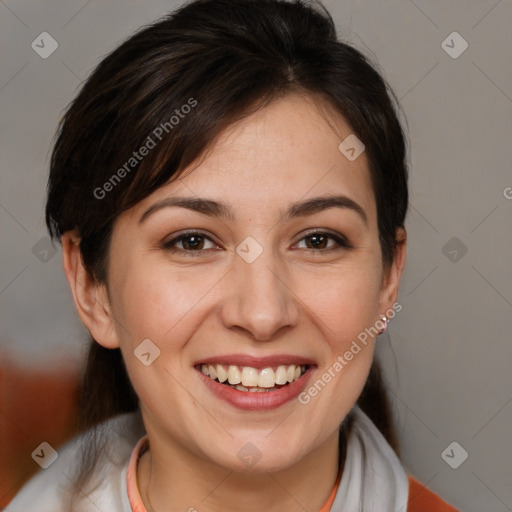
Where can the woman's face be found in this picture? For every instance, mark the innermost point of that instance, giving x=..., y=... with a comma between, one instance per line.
x=269, y=275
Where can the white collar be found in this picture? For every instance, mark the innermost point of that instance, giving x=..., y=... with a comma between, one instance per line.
x=373, y=477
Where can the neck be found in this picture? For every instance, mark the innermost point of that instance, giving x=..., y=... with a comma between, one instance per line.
x=184, y=482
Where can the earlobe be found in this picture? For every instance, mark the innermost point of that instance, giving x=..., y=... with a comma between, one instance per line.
x=90, y=296
x=391, y=281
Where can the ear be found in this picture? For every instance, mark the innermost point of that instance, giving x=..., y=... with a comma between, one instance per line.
x=392, y=274
x=91, y=297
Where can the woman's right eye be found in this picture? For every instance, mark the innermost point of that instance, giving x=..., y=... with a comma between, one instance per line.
x=191, y=243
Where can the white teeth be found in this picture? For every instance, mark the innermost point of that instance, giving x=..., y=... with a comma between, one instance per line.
x=267, y=378
x=251, y=379
x=222, y=374
x=250, y=376
x=234, y=375
x=281, y=376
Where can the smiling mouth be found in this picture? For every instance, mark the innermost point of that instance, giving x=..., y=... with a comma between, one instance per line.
x=252, y=380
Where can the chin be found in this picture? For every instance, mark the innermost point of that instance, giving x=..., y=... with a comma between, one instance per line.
x=259, y=454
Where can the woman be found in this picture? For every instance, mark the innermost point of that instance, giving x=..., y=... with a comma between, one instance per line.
x=230, y=190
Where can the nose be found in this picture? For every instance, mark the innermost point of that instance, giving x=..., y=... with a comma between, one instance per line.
x=259, y=300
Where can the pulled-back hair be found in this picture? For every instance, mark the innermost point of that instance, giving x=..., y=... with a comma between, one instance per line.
x=179, y=83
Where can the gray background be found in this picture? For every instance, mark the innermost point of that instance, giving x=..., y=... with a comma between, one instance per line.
x=448, y=353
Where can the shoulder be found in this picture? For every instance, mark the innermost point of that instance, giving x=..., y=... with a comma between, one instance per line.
x=422, y=499
x=52, y=489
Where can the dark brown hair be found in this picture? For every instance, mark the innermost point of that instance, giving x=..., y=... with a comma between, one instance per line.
x=226, y=58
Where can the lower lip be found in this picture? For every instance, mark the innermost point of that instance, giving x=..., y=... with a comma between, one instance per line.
x=259, y=401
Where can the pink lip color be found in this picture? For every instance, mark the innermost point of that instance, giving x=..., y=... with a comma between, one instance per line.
x=256, y=362
x=256, y=401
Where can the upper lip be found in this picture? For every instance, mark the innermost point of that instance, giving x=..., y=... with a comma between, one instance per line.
x=256, y=362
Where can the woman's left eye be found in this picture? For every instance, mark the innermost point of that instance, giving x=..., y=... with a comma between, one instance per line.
x=319, y=242
x=196, y=242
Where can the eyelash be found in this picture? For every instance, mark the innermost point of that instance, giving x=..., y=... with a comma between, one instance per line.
x=342, y=243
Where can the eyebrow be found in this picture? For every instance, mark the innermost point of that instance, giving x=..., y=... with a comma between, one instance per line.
x=222, y=210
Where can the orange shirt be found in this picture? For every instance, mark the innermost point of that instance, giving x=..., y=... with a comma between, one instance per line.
x=420, y=498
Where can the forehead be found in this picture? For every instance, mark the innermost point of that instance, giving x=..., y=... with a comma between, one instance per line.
x=280, y=154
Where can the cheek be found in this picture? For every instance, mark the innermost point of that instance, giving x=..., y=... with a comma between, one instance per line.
x=159, y=303
x=156, y=304
x=344, y=303
x=345, y=309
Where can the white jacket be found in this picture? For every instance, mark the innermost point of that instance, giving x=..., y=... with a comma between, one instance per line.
x=372, y=480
